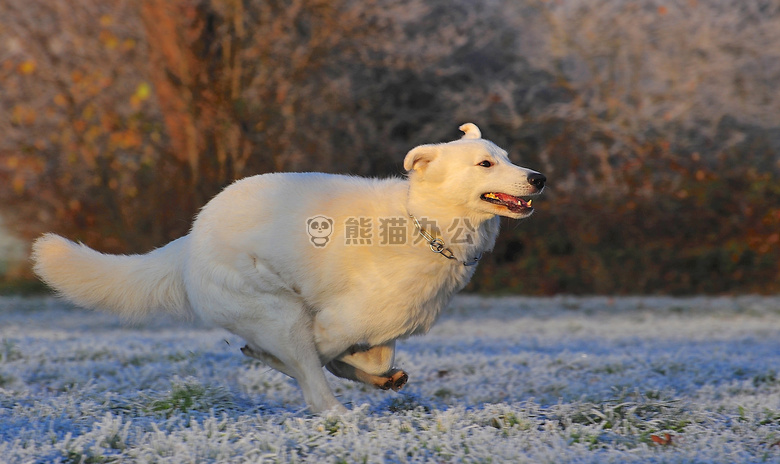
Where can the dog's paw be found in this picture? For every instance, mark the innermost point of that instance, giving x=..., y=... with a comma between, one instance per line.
x=396, y=379
x=249, y=352
x=399, y=380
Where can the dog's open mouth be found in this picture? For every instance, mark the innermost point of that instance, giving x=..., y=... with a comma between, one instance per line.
x=512, y=203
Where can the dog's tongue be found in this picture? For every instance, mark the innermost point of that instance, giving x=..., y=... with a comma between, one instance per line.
x=506, y=198
x=514, y=203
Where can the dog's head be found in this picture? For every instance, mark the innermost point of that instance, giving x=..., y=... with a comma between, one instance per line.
x=474, y=174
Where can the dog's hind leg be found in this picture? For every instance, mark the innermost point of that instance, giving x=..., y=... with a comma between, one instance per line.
x=267, y=358
x=372, y=366
x=280, y=335
x=394, y=379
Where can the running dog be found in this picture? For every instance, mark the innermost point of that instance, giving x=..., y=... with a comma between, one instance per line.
x=315, y=269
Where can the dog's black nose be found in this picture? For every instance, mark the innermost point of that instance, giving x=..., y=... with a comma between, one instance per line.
x=537, y=180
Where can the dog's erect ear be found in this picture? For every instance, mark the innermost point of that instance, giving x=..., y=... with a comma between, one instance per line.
x=419, y=157
x=470, y=131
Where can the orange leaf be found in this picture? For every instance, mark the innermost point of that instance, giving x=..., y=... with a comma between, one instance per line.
x=128, y=44
x=27, y=67
x=23, y=115
x=18, y=184
x=665, y=440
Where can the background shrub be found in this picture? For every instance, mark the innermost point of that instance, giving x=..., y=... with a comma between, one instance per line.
x=656, y=122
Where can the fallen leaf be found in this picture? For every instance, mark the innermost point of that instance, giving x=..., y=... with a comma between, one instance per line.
x=664, y=440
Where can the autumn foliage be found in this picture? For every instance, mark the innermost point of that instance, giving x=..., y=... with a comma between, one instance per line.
x=655, y=122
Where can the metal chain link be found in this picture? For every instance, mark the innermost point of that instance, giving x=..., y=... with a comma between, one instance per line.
x=437, y=245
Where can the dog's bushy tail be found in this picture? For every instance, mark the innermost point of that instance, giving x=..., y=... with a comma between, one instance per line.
x=129, y=285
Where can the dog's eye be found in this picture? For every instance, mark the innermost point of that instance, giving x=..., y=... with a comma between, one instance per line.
x=485, y=164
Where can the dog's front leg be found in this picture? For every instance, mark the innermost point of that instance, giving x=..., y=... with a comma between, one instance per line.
x=372, y=366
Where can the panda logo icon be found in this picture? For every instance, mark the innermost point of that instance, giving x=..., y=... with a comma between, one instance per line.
x=319, y=229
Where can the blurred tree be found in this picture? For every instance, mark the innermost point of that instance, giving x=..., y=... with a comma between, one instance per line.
x=656, y=123
x=80, y=152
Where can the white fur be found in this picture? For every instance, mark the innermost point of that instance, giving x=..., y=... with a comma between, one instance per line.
x=249, y=264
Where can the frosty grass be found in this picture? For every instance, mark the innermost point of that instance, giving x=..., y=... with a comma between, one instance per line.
x=547, y=380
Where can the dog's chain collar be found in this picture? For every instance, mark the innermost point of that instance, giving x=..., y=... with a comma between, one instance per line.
x=437, y=245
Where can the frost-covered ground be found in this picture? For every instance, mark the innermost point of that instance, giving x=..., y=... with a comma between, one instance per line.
x=497, y=380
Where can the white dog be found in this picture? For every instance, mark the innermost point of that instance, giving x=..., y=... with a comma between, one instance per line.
x=316, y=269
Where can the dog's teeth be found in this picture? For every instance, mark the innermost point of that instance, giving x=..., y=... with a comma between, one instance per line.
x=529, y=203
